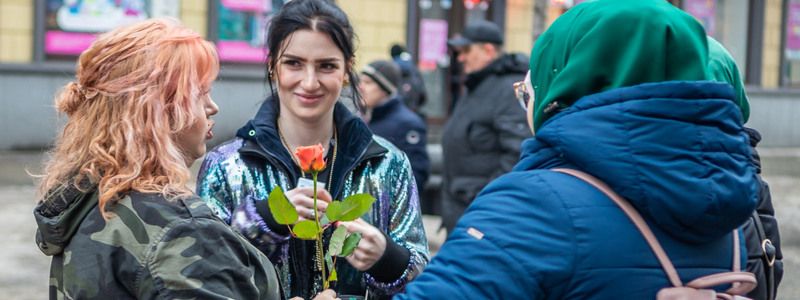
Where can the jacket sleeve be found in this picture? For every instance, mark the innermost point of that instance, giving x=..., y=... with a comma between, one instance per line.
x=511, y=126
x=202, y=258
x=766, y=214
x=514, y=242
x=223, y=193
x=406, y=235
x=212, y=186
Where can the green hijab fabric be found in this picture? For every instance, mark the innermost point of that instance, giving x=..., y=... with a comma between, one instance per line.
x=723, y=68
x=606, y=44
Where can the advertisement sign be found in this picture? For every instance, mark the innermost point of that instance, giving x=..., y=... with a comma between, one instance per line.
x=72, y=25
x=432, y=42
x=242, y=27
x=793, y=31
x=705, y=11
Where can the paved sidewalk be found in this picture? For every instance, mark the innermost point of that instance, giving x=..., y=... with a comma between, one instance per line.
x=24, y=270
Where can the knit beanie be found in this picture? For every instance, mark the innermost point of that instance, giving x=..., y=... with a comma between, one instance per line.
x=385, y=73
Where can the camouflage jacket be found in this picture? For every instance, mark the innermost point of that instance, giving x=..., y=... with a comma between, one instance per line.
x=150, y=249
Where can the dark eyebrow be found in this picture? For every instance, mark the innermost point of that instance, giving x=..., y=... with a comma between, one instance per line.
x=322, y=60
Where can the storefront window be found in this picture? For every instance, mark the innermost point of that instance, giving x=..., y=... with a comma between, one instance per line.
x=722, y=20
x=71, y=26
x=241, y=28
x=792, y=45
x=433, y=58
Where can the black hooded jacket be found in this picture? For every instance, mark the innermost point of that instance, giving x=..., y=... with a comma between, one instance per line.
x=482, y=137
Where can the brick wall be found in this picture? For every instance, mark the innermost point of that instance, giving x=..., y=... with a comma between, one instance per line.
x=378, y=25
x=770, y=69
x=16, y=31
x=519, y=26
x=194, y=14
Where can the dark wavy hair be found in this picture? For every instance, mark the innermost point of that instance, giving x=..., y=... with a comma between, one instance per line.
x=317, y=15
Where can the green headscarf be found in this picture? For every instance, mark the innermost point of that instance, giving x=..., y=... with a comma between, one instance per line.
x=606, y=44
x=723, y=68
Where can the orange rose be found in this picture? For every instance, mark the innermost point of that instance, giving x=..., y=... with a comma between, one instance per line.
x=310, y=158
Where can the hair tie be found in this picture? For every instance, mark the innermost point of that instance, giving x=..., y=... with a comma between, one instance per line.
x=86, y=93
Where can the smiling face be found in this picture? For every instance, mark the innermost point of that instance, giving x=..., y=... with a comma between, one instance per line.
x=310, y=73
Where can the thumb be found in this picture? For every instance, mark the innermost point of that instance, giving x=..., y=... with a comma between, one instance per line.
x=326, y=294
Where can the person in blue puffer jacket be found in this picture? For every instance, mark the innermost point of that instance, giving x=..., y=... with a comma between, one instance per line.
x=620, y=90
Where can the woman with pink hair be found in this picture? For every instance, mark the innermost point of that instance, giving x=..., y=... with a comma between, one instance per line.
x=116, y=214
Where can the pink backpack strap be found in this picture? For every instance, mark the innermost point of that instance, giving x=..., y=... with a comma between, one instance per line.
x=637, y=220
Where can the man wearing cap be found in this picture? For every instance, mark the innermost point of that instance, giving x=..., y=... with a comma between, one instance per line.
x=481, y=139
x=389, y=118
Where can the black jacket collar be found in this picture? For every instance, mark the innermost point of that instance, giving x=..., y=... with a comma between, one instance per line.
x=509, y=63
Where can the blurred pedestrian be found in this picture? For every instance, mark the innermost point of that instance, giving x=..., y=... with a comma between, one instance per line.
x=391, y=119
x=618, y=89
x=411, y=87
x=116, y=214
x=481, y=140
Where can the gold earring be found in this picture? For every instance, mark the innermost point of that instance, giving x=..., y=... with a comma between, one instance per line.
x=346, y=81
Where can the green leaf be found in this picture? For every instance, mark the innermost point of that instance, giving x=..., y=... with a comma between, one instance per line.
x=329, y=261
x=350, y=208
x=333, y=275
x=333, y=211
x=306, y=230
x=350, y=244
x=282, y=210
x=337, y=240
x=324, y=220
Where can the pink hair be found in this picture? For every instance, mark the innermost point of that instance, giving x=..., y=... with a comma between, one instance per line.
x=136, y=87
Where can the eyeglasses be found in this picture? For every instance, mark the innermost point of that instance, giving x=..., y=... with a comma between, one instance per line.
x=523, y=92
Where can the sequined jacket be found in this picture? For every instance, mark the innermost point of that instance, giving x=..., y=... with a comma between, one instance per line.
x=236, y=178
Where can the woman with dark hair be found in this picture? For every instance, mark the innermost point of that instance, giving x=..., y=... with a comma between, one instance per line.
x=311, y=56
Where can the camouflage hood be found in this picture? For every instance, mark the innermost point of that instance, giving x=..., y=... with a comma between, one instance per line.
x=59, y=215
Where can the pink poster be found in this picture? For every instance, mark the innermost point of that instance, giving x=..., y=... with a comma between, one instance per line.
x=240, y=51
x=71, y=26
x=793, y=27
x=705, y=11
x=432, y=42
x=247, y=5
x=67, y=43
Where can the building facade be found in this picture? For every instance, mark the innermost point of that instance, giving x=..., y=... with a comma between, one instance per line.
x=40, y=40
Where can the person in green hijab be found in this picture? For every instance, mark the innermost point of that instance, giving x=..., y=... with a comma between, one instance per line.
x=722, y=67
x=620, y=90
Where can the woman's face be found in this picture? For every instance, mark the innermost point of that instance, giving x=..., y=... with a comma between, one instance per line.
x=310, y=74
x=371, y=92
x=192, y=140
x=531, y=103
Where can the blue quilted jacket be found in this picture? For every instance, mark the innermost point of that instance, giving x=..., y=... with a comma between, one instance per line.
x=676, y=150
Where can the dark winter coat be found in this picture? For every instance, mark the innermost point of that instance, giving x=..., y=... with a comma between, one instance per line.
x=406, y=130
x=482, y=137
x=766, y=214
